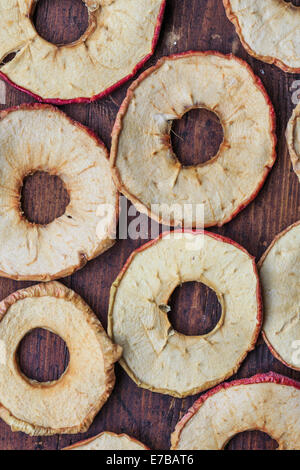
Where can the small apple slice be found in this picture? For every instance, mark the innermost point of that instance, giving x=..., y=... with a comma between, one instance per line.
x=108, y=441
x=120, y=38
x=269, y=30
x=156, y=356
x=69, y=404
x=293, y=139
x=280, y=280
x=266, y=402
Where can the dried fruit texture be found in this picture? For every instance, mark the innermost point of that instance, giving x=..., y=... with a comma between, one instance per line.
x=156, y=356
x=267, y=402
x=280, y=278
x=293, y=139
x=145, y=167
x=269, y=30
x=121, y=36
x=69, y=404
x=109, y=441
x=41, y=138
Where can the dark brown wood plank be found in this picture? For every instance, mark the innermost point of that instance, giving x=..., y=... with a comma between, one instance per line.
x=197, y=25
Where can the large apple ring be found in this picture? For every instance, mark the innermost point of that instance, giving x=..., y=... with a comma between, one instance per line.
x=156, y=356
x=280, y=281
x=109, y=441
x=144, y=165
x=121, y=36
x=69, y=404
x=293, y=139
x=265, y=402
x=39, y=137
x=269, y=30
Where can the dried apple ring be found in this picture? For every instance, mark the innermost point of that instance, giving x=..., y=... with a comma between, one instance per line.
x=280, y=280
x=147, y=171
x=265, y=402
x=68, y=405
x=293, y=139
x=269, y=30
x=156, y=356
x=121, y=36
x=39, y=137
x=109, y=441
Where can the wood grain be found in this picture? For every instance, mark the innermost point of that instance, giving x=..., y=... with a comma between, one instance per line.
x=150, y=417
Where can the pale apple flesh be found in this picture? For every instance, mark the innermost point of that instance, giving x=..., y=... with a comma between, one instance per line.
x=266, y=402
x=147, y=171
x=109, y=441
x=269, y=30
x=280, y=280
x=293, y=139
x=156, y=356
x=62, y=406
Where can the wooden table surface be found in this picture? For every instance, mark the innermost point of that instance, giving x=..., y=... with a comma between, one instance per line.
x=150, y=417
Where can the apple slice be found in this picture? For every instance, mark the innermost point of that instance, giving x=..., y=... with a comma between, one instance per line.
x=269, y=30
x=39, y=137
x=280, y=279
x=121, y=36
x=68, y=405
x=156, y=356
x=109, y=441
x=266, y=402
x=147, y=171
x=293, y=139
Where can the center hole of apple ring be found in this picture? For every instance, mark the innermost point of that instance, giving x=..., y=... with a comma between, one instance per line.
x=252, y=440
x=60, y=22
x=42, y=356
x=296, y=3
x=197, y=136
x=44, y=198
x=195, y=309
